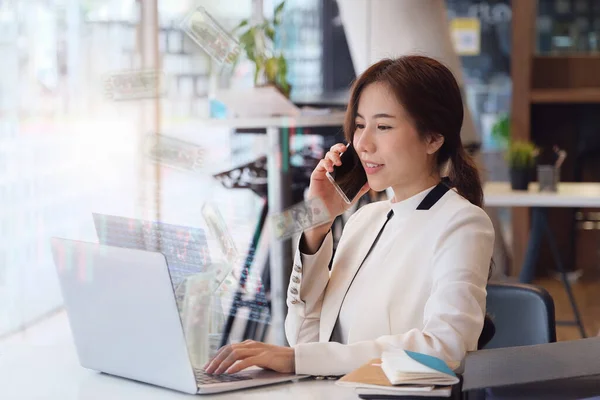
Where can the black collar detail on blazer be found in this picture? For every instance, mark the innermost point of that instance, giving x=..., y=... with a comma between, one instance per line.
x=435, y=194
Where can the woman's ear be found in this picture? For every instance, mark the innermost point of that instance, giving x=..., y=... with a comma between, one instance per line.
x=434, y=142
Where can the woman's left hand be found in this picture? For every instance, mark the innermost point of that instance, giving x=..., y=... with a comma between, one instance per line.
x=249, y=353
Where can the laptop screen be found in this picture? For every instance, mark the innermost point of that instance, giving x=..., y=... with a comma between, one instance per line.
x=185, y=248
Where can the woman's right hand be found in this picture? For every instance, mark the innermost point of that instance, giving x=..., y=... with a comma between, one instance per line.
x=321, y=187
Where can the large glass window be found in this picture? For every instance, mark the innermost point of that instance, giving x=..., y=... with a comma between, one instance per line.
x=63, y=151
x=68, y=149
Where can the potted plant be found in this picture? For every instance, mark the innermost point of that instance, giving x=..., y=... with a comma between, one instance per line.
x=258, y=42
x=521, y=157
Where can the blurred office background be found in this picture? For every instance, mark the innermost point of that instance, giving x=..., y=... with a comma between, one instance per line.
x=67, y=151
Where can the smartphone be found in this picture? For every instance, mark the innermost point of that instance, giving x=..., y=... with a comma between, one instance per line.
x=349, y=177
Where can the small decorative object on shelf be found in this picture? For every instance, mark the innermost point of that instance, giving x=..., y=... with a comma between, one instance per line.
x=521, y=160
x=548, y=178
x=549, y=172
x=258, y=42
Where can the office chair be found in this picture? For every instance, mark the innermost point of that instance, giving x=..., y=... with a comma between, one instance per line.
x=517, y=314
x=522, y=315
x=487, y=333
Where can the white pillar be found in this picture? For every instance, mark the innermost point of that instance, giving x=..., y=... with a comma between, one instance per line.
x=377, y=29
x=149, y=110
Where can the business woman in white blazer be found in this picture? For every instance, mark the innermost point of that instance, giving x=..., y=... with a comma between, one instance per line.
x=408, y=273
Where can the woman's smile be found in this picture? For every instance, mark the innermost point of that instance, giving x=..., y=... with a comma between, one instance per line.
x=371, y=167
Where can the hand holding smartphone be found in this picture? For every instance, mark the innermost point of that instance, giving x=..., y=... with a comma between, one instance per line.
x=350, y=177
x=348, y=180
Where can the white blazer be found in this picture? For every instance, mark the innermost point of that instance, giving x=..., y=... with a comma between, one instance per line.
x=431, y=298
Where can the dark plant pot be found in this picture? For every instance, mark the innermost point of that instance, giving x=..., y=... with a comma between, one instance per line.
x=520, y=178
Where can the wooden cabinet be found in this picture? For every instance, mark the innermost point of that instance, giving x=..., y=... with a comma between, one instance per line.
x=550, y=93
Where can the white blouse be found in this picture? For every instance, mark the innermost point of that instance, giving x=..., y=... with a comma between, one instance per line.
x=422, y=287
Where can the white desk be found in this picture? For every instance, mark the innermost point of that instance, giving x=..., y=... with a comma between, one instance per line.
x=44, y=366
x=569, y=194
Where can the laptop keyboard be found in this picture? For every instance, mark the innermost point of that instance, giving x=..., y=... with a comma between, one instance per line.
x=202, y=378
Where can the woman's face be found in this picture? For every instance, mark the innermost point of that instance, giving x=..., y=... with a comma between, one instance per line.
x=388, y=143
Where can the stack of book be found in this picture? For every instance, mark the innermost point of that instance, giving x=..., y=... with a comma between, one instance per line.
x=402, y=373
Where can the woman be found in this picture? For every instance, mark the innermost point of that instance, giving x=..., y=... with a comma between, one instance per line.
x=408, y=273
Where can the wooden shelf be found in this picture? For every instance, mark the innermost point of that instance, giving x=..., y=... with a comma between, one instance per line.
x=571, y=72
x=583, y=95
x=572, y=56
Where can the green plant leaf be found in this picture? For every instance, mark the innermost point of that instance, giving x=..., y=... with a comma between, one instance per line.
x=259, y=64
x=282, y=63
x=242, y=23
x=522, y=154
x=271, y=69
x=248, y=42
x=501, y=130
x=278, y=14
x=270, y=32
x=282, y=81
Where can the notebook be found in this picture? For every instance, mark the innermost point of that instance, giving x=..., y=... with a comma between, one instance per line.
x=408, y=367
x=370, y=379
x=444, y=391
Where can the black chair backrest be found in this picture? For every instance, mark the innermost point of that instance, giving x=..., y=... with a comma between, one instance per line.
x=522, y=315
x=487, y=333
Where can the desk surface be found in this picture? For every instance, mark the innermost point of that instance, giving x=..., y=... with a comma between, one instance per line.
x=45, y=366
x=569, y=194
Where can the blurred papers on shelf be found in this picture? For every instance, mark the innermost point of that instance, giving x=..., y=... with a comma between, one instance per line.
x=134, y=85
x=308, y=214
x=203, y=29
x=174, y=153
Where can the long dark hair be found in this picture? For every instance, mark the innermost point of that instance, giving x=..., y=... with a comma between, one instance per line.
x=431, y=96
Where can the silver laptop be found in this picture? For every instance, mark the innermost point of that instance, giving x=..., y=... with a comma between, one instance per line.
x=125, y=321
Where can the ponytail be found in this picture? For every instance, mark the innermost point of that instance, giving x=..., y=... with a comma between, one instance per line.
x=465, y=177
